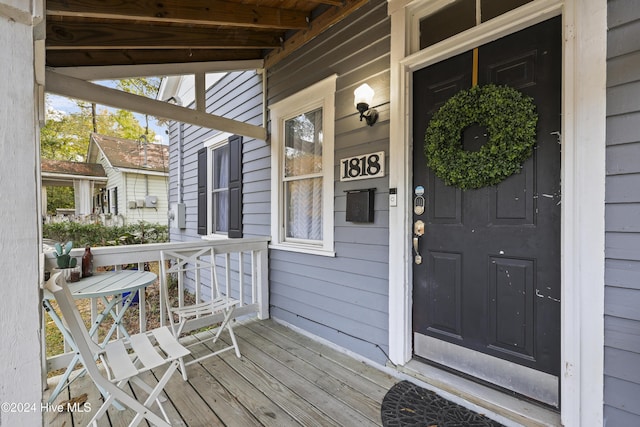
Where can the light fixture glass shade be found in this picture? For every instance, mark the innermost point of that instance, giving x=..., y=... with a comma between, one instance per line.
x=363, y=95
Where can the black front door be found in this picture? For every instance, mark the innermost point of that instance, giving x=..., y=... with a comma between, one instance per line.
x=487, y=292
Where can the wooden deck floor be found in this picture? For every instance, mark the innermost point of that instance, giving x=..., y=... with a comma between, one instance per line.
x=282, y=379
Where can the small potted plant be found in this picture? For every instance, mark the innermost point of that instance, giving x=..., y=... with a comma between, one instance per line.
x=66, y=263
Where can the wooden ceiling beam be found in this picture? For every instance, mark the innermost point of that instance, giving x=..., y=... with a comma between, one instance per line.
x=205, y=12
x=103, y=35
x=317, y=26
x=75, y=58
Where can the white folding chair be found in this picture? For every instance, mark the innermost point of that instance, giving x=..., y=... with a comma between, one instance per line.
x=217, y=308
x=123, y=360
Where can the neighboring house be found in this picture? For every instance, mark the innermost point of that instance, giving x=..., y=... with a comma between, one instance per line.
x=137, y=173
x=529, y=286
x=86, y=179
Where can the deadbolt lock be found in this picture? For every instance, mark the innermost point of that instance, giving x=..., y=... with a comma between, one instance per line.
x=418, y=228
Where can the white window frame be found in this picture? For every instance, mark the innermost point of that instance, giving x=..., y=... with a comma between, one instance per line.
x=217, y=141
x=318, y=95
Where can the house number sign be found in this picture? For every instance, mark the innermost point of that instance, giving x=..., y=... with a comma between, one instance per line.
x=362, y=167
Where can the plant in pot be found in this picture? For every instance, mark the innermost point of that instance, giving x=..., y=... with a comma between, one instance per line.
x=66, y=263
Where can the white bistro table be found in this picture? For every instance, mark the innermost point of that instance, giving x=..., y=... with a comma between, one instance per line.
x=114, y=289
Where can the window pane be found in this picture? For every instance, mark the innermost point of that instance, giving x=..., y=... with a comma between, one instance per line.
x=303, y=144
x=304, y=209
x=447, y=22
x=221, y=167
x=220, y=192
x=221, y=211
x=494, y=8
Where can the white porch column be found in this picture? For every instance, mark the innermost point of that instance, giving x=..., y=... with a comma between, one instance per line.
x=82, y=196
x=44, y=200
x=20, y=308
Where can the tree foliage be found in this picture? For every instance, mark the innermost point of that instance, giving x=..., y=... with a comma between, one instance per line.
x=147, y=87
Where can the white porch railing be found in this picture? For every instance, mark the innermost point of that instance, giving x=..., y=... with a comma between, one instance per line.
x=236, y=257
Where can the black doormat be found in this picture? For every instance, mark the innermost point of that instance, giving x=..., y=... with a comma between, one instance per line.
x=406, y=404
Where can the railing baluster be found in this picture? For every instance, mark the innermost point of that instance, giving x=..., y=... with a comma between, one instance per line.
x=241, y=278
x=227, y=273
x=142, y=306
x=197, y=283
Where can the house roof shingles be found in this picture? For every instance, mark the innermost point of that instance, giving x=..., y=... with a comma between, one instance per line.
x=128, y=154
x=72, y=168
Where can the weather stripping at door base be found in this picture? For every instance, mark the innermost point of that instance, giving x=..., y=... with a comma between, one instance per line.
x=537, y=385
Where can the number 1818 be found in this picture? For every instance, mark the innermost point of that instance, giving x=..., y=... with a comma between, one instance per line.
x=366, y=166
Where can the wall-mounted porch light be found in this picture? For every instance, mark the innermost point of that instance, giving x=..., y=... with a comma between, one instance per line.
x=363, y=98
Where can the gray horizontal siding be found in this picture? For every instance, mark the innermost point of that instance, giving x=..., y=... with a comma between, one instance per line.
x=623, y=129
x=622, y=395
x=342, y=299
x=623, y=274
x=622, y=217
x=622, y=334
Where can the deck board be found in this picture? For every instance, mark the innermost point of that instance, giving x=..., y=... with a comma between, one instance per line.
x=259, y=405
x=302, y=411
x=319, y=373
x=355, y=380
x=282, y=379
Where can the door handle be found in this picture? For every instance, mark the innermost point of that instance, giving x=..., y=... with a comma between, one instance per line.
x=418, y=258
x=418, y=230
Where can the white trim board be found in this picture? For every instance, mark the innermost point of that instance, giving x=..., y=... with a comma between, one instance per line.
x=583, y=179
x=101, y=72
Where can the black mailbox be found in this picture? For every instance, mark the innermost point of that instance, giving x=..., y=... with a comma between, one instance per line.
x=360, y=205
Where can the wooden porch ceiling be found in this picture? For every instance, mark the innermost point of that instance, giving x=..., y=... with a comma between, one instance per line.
x=81, y=33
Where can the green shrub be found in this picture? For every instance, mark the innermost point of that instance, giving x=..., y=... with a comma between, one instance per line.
x=101, y=235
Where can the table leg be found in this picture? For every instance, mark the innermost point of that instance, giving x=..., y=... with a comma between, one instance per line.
x=117, y=315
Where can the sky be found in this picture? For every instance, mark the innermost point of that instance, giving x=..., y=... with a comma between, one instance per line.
x=67, y=106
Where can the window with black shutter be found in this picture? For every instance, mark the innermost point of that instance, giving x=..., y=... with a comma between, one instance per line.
x=220, y=187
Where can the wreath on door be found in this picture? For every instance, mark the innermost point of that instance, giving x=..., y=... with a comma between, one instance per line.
x=510, y=119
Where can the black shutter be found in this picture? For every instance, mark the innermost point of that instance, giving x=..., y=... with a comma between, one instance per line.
x=235, y=186
x=115, y=196
x=202, y=191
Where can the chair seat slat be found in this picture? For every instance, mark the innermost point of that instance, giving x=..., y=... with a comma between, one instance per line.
x=119, y=361
x=169, y=344
x=145, y=351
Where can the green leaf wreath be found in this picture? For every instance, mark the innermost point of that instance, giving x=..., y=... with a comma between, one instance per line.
x=510, y=118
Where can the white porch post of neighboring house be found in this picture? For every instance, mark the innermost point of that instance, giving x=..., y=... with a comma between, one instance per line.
x=44, y=200
x=20, y=331
x=83, y=192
